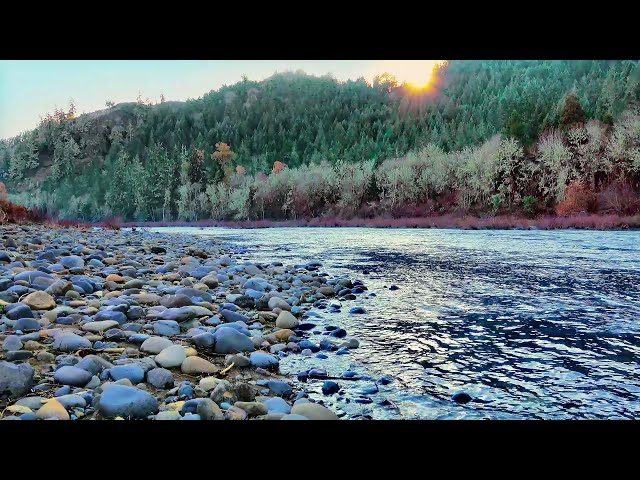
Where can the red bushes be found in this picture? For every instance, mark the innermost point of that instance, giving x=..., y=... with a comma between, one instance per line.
x=278, y=167
x=578, y=199
x=12, y=213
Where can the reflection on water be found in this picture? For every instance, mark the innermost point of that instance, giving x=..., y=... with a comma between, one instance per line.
x=532, y=324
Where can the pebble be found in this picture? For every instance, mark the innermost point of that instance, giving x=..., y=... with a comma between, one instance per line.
x=330, y=387
x=229, y=340
x=12, y=342
x=313, y=411
x=124, y=401
x=133, y=373
x=171, y=356
x=135, y=298
x=238, y=360
x=252, y=408
x=15, y=380
x=287, y=320
x=40, y=301
x=167, y=415
x=68, y=375
x=97, y=327
x=16, y=355
x=294, y=416
x=461, y=397
x=160, y=378
x=167, y=328
x=155, y=344
x=52, y=410
x=277, y=405
x=263, y=360
x=198, y=365
x=280, y=388
x=70, y=342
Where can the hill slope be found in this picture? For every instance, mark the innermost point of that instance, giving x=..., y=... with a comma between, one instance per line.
x=89, y=166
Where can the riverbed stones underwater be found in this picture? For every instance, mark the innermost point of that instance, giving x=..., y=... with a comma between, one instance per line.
x=130, y=324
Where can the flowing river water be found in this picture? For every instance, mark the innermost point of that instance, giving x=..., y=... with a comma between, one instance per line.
x=531, y=324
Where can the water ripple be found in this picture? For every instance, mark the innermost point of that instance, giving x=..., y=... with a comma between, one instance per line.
x=532, y=324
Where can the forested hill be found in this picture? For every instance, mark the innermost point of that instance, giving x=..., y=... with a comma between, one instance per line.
x=299, y=119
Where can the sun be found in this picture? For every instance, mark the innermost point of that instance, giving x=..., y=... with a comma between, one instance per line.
x=417, y=74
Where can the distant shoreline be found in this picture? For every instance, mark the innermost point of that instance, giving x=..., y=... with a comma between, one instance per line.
x=504, y=222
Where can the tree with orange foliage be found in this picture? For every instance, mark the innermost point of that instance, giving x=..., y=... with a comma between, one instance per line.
x=578, y=198
x=240, y=170
x=224, y=155
x=278, y=167
x=3, y=191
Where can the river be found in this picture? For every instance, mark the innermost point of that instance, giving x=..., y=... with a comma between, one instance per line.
x=531, y=324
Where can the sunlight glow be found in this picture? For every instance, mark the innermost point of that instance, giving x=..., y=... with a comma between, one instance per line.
x=416, y=73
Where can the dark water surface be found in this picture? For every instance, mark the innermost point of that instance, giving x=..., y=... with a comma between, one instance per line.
x=532, y=324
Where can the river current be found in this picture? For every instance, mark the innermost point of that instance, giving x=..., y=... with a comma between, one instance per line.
x=531, y=324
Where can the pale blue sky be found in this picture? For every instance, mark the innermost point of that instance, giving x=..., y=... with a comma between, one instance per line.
x=29, y=88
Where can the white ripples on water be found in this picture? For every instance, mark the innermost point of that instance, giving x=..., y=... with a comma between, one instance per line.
x=532, y=324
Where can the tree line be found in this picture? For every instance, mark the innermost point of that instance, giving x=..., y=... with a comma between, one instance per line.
x=488, y=136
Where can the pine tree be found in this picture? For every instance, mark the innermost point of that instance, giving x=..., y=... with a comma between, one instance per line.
x=572, y=111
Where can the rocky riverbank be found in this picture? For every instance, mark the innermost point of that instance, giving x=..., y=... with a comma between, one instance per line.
x=99, y=324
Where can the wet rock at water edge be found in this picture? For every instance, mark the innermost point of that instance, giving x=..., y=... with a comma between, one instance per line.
x=280, y=388
x=263, y=360
x=313, y=411
x=461, y=397
x=330, y=387
x=277, y=405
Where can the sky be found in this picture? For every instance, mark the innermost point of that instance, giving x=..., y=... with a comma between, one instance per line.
x=29, y=89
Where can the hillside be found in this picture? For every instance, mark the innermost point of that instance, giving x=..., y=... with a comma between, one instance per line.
x=151, y=162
